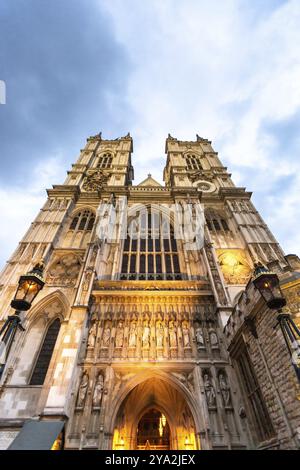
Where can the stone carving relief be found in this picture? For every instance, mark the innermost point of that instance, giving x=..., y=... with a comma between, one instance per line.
x=106, y=335
x=215, y=274
x=92, y=336
x=83, y=389
x=199, y=337
x=120, y=335
x=209, y=389
x=235, y=265
x=64, y=270
x=149, y=335
x=95, y=180
x=186, y=379
x=133, y=335
x=159, y=334
x=213, y=338
x=146, y=335
x=98, y=391
x=172, y=335
x=186, y=334
x=225, y=390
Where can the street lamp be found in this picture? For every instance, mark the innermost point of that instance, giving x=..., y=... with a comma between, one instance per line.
x=268, y=286
x=29, y=286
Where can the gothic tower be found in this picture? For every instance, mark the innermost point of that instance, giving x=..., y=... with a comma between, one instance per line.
x=125, y=345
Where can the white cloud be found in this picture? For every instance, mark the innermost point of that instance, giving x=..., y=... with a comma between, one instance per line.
x=20, y=205
x=224, y=70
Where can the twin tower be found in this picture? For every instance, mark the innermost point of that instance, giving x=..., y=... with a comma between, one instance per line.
x=127, y=346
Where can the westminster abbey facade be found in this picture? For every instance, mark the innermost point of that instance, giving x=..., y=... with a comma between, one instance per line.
x=148, y=333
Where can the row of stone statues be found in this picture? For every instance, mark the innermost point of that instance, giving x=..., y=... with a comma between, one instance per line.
x=161, y=334
x=211, y=393
x=83, y=389
x=209, y=388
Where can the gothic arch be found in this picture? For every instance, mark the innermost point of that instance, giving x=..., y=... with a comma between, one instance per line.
x=56, y=296
x=106, y=150
x=36, y=324
x=171, y=383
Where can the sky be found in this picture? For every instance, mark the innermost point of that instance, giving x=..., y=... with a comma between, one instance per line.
x=227, y=70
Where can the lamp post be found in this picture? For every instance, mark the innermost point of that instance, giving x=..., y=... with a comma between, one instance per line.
x=268, y=286
x=29, y=286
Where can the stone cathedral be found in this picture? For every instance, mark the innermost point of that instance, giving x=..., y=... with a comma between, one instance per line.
x=140, y=340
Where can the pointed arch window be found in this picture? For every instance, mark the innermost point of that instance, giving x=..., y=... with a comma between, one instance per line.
x=150, y=249
x=45, y=354
x=193, y=162
x=83, y=220
x=79, y=230
x=216, y=222
x=105, y=161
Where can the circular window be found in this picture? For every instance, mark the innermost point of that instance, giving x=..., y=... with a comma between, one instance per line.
x=204, y=186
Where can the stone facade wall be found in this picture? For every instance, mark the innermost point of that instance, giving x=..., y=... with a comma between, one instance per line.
x=272, y=365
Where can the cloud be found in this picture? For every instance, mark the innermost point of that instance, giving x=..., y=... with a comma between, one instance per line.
x=66, y=78
x=229, y=71
x=19, y=206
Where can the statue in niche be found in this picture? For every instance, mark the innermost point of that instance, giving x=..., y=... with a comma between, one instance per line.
x=225, y=390
x=92, y=336
x=146, y=335
x=208, y=314
x=87, y=280
x=186, y=335
x=209, y=391
x=213, y=339
x=106, y=335
x=172, y=335
x=159, y=334
x=199, y=337
x=132, y=335
x=98, y=391
x=83, y=387
x=120, y=335
x=220, y=289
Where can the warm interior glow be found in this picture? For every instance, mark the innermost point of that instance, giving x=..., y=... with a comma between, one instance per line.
x=234, y=265
x=160, y=428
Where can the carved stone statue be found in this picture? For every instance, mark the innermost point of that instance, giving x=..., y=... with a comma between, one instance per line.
x=132, y=335
x=120, y=335
x=92, y=336
x=159, y=335
x=225, y=390
x=106, y=335
x=209, y=391
x=199, y=337
x=213, y=339
x=98, y=391
x=146, y=335
x=185, y=334
x=83, y=387
x=172, y=335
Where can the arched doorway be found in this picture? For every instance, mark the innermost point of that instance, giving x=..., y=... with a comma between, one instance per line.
x=154, y=414
x=153, y=431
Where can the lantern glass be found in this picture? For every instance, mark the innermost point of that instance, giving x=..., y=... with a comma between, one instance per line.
x=29, y=286
x=268, y=285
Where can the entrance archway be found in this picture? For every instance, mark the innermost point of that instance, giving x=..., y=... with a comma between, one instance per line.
x=151, y=408
x=153, y=431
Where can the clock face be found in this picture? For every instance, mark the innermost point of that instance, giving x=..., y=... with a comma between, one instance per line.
x=204, y=186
